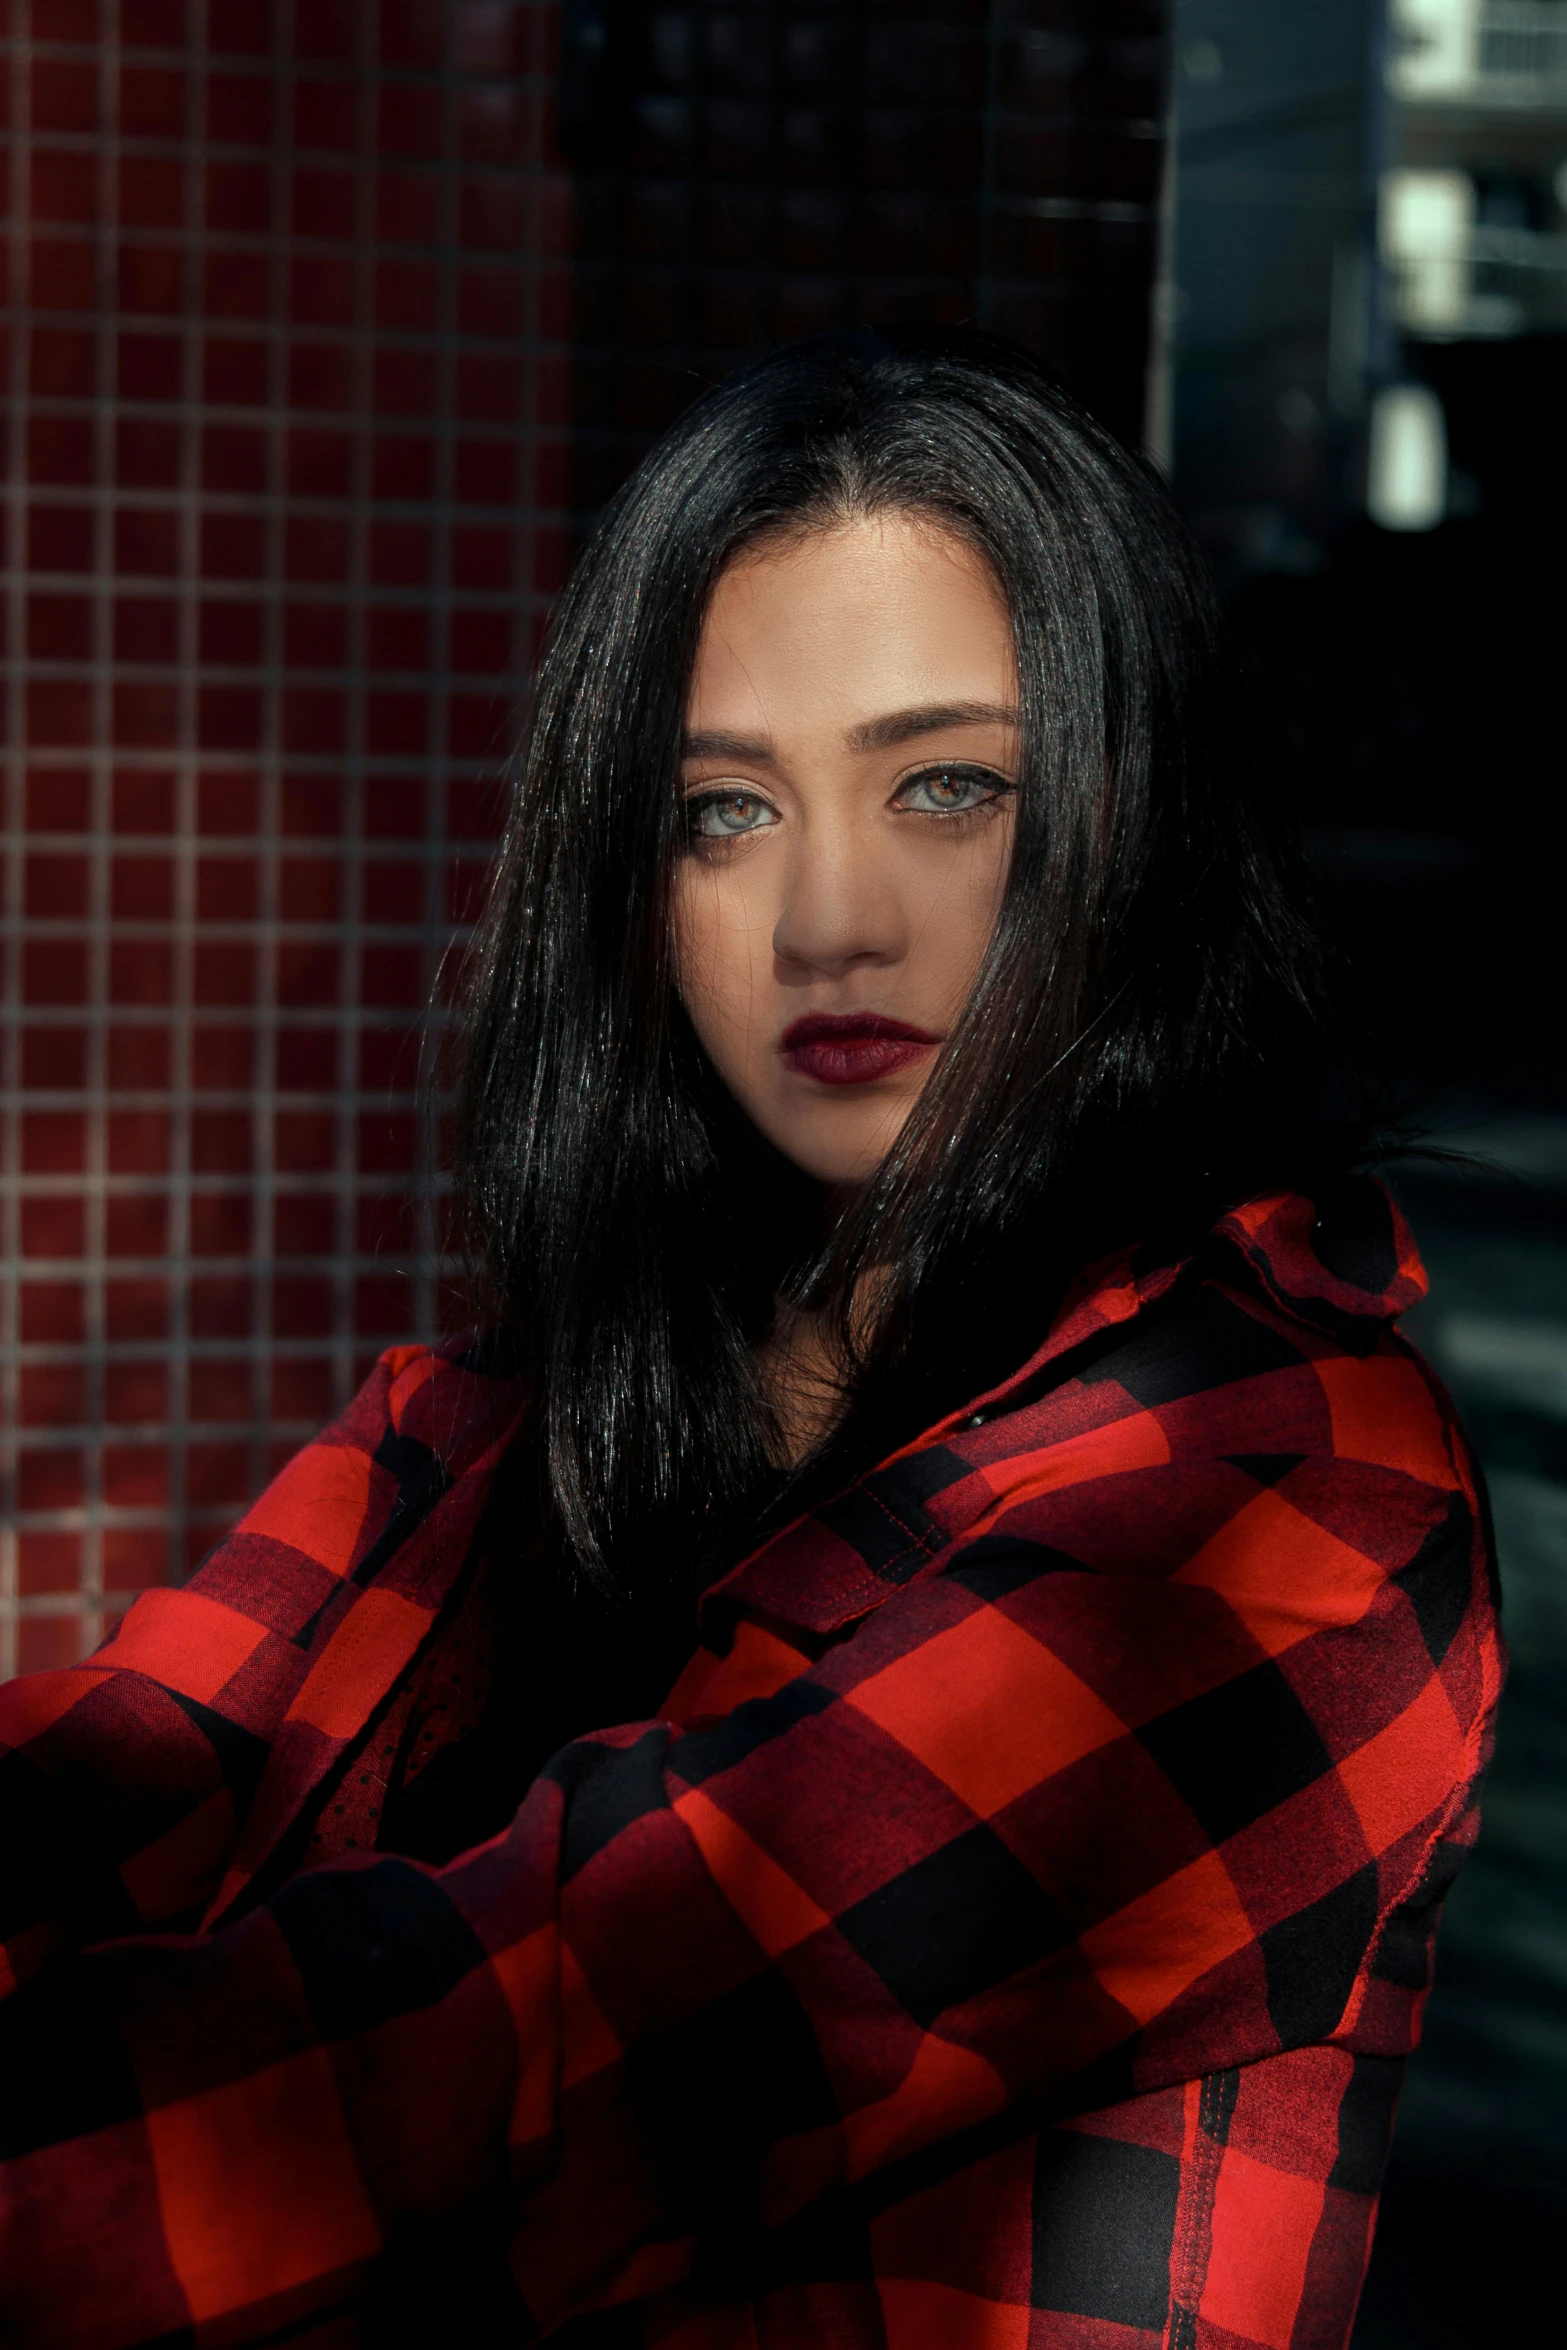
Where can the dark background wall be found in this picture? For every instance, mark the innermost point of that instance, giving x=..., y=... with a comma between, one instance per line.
x=751, y=173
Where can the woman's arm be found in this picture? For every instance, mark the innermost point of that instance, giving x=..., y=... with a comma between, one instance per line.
x=1033, y=1833
x=125, y=1780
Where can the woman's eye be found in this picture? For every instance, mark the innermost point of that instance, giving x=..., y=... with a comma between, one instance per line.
x=727, y=815
x=950, y=791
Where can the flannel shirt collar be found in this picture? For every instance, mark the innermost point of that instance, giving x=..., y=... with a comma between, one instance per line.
x=1345, y=1264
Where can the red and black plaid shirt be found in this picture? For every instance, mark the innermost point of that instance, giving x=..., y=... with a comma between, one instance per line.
x=1007, y=1938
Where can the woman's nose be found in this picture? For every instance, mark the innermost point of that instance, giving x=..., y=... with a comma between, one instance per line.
x=839, y=906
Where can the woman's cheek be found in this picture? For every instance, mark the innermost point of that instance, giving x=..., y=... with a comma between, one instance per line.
x=714, y=955
x=960, y=910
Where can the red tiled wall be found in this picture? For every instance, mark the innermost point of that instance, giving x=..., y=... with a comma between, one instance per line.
x=286, y=382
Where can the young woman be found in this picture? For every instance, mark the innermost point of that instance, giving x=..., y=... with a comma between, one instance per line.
x=876, y=1762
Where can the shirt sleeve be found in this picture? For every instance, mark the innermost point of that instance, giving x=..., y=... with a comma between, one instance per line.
x=1034, y=1836
x=125, y=1780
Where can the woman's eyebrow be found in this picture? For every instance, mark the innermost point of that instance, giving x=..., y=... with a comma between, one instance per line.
x=901, y=726
x=713, y=745
x=875, y=734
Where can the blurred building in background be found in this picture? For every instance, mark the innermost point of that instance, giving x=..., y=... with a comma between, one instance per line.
x=1357, y=188
x=1271, y=305
x=1473, y=209
x=1364, y=378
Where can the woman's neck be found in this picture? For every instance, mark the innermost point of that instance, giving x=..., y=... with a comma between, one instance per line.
x=802, y=1383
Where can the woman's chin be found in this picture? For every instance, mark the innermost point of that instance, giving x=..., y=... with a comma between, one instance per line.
x=843, y=1144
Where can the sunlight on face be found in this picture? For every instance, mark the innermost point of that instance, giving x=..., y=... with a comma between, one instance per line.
x=850, y=762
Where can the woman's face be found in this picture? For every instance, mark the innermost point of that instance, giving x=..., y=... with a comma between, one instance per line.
x=850, y=763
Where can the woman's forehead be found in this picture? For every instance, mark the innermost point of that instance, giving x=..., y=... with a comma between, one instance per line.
x=880, y=615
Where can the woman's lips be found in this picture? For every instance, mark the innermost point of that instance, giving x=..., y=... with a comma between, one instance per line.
x=851, y=1048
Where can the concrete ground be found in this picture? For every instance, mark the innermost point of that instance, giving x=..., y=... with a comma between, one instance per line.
x=1476, y=2201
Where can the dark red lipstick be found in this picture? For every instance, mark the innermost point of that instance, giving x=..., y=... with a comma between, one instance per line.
x=851, y=1048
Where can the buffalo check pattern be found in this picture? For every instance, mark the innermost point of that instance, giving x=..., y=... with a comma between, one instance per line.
x=1008, y=1937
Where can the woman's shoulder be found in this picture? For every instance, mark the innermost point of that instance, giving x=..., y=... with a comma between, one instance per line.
x=299, y=1622
x=1250, y=1413
x=427, y=1428
x=425, y=1418
x=1241, y=1413
x=1274, y=1337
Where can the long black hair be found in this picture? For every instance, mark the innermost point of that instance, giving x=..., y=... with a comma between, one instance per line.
x=1144, y=1042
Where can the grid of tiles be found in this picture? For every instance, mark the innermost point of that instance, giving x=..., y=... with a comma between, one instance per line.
x=286, y=383
x=773, y=169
